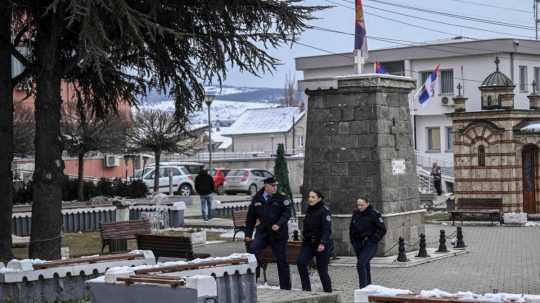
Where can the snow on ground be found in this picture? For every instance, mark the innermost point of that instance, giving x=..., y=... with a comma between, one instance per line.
x=220, y=110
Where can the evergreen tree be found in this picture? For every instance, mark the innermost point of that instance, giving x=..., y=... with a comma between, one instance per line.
x=281, y=173
x=117, y=50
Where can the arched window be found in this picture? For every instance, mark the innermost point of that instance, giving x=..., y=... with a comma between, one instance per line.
x=481, y=156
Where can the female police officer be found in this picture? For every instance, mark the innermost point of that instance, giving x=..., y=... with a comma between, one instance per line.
x=366, y=230
x=316, y=241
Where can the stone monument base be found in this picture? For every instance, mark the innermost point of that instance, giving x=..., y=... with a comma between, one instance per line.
x=408, y=225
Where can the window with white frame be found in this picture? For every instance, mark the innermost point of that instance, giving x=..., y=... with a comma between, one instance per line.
x=523, y=79
x=434, y=139
x=449, y=139
x=447, y=82
x=301, y=141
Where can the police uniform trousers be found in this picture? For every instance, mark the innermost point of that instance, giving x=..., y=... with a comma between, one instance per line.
x=365, y=251
x=279, y=250
x=307, y=252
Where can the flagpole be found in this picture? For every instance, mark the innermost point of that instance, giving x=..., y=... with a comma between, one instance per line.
x=359, y=61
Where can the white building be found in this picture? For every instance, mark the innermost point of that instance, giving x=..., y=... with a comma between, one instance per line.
x=261, y=130
x=461, y=61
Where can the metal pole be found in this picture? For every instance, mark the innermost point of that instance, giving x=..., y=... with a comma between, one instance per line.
x=170, y=183
x=536, y=20
x=209, y=140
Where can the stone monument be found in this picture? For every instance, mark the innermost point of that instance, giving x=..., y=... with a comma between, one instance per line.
x=359, y=144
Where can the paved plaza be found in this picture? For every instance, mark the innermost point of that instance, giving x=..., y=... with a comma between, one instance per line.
x=506, y=259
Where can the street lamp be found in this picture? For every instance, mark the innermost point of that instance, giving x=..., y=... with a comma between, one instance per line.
x=208, y=99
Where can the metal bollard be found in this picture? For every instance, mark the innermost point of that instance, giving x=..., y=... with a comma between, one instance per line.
x=442, y=242
x=460, y=243
x=402, y=257
x=422, y=252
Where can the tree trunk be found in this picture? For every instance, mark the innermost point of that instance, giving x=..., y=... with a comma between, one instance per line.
x=157, y=156
x=45, y=238
x=6, y=134
x=80, y=177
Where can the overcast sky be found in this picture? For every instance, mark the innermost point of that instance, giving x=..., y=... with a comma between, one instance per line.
x=517, y=12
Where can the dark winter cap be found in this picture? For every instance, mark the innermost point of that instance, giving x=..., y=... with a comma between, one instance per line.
x=270, y=180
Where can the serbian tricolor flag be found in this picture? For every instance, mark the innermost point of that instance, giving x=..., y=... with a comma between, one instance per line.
x=379, y=69
x=428, y=89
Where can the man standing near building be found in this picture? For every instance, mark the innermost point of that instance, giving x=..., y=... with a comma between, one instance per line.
x=272, y=209
x=437, y=178
x=204, y=185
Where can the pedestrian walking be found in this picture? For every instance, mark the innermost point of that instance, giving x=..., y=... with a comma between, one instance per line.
x=437, y=178
x=366, y=230
x=316, y=241
x=204, y=185
x=272, y=209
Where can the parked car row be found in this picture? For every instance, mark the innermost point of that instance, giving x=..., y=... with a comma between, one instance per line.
x=226, y=181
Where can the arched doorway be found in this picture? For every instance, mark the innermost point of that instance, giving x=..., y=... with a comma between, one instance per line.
x=530, y=164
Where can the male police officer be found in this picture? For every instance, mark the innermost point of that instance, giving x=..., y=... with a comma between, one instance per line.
x=273, y=212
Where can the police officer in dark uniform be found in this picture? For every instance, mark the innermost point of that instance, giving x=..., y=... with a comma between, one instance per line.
x=316, y=241
x=273, y=212
x=366, y=230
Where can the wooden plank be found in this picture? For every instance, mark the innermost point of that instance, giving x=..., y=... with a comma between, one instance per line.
x=176, y=268
x=90, y=260
x=174, y=283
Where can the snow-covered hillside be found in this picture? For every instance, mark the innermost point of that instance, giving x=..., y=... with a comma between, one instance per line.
x=222, y=111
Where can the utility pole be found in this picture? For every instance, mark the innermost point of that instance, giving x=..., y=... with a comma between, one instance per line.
x=536, y=6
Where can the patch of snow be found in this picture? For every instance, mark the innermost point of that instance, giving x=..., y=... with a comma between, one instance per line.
x=533, y=127
x=269, y=120
x=266, y=286
x=533, y=224
x=384, y=291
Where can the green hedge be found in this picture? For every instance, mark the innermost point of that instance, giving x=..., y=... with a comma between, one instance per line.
x=104, y=187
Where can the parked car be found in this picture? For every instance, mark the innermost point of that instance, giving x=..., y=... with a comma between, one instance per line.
x=219, y=175
x=247, y=180
x=194, y=168
x=182, y=179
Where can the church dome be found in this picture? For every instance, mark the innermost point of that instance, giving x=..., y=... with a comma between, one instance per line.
x=497, y=79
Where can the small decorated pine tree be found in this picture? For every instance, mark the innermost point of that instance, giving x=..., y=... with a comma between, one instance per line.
x=281, y=173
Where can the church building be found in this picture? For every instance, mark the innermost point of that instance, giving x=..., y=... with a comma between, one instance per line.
x=496, y=149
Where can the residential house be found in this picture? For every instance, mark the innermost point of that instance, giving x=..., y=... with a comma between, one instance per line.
x=261, y=130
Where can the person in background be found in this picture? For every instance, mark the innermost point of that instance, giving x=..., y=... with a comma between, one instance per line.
x=204, y=185
x=272, y=209
x=366, y=230
x=316, y=241
x=436, y=174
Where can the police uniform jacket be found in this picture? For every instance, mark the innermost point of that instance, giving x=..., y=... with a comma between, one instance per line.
x=317, y=225
x=275, y=210
x=367, y=225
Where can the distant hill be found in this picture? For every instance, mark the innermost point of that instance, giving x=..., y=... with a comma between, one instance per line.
x=230, y=93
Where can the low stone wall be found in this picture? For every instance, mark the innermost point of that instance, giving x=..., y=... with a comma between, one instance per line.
x=21, y=283
x=233, y=283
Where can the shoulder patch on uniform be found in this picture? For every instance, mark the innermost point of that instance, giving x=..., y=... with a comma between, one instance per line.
x=381, y=220
x=328, y=218
x=326, y=207
x=286, y=202
x=257, y=204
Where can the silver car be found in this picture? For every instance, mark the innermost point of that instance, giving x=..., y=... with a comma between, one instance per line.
x=182, y=179
x=249, y=180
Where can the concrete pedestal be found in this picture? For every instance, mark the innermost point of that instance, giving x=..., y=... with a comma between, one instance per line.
x=359, y=144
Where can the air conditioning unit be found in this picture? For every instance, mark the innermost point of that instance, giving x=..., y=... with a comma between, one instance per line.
x=447, y=101
x=112, y=161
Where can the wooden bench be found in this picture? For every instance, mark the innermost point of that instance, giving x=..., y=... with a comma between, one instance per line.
x=173, y=282
x=239, y=221
x=168, y=246
x=192, y=266
x=125, y=230
x=490, y=207
x=266, y=256
x=415, y=299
